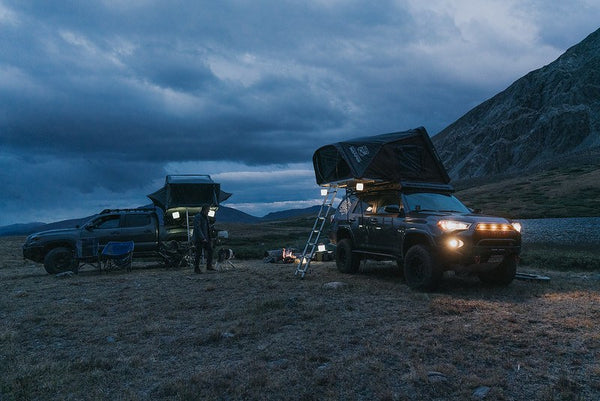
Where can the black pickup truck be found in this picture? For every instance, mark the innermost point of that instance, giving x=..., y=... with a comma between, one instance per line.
x=154, y=233
x=57, y=249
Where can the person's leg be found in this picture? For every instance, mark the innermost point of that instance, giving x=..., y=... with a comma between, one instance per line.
x=209, y=256
x=198, y=252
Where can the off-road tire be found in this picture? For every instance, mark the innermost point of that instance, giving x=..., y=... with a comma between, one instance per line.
x=346, y=260
x=502, y=275
x=60, y=260
x=421, y=271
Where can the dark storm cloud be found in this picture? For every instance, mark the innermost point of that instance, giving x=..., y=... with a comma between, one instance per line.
x=103, y=98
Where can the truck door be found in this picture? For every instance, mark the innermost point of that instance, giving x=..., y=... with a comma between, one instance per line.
x=358, y=218
x=106, y=228
x=141, y=228
x=384, y=222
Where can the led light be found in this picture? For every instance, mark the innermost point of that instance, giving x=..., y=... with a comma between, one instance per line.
x=323, y=192
x=517, y=226
x=360, y=186
x=176, y=215
x=321, y=248
x=455, y=243
x=498, y=227
x=451, y=225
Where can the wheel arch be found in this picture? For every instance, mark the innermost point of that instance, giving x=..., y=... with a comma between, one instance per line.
x=59, y=244
x=344, y=233
x=416, y=238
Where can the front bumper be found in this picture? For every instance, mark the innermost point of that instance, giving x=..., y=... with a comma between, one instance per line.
x=480, y=251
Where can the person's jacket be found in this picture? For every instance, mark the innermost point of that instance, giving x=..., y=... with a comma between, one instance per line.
x=201, y=228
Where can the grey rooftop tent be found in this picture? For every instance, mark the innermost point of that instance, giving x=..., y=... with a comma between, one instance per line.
x=407, y=156
x=188, y=191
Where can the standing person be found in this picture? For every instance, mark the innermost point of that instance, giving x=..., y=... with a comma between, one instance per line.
x=202, y=239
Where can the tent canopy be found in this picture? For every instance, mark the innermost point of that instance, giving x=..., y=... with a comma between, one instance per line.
x=395, y=157
x=188, y=191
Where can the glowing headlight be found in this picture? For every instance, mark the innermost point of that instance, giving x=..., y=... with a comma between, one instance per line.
x=516, y=225
x=455, y=243
x=451, y=225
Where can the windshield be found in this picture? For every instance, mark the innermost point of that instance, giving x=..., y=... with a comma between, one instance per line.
x=432, y=202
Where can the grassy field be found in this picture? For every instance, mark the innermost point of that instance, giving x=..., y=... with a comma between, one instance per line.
x=560, y=192
x=257, y=332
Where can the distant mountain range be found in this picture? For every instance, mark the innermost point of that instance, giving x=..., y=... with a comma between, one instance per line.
x=224, y=214
x=548, y=118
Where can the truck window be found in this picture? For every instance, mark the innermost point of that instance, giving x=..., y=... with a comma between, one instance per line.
x=390, y=200
x=107, y=222
x=137, y=220
x=364, y=206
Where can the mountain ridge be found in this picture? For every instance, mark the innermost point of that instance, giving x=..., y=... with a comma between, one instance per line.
x=225, y=214
x=550, y=113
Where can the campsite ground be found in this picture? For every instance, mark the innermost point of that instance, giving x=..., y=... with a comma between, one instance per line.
x=259, y=332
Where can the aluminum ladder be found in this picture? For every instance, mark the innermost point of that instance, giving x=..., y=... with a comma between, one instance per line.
x=329, y=194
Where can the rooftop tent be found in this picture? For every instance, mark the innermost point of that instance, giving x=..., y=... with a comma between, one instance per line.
x=395, y=157
x=188, y=191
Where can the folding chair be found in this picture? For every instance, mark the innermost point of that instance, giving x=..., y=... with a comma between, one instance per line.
x=117, y=254
x=87, y=252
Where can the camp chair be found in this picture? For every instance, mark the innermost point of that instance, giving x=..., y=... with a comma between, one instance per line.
x=87, y=252
x=117, y=254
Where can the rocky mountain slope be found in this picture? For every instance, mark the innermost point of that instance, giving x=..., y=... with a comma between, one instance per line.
x=549, y=117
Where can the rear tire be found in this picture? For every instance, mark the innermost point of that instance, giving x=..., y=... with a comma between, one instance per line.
x=421, y=271
x=502, y=275
x=60, y=260
x=346, y=260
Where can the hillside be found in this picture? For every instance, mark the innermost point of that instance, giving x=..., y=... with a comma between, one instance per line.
x=558, y=192
x=548, y=118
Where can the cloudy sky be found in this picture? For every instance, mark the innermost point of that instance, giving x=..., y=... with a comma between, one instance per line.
x=100, y=99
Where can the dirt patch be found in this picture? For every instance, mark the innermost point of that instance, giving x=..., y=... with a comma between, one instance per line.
x=259, y=332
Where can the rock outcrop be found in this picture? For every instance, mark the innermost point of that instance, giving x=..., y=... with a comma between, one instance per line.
x=550, y=114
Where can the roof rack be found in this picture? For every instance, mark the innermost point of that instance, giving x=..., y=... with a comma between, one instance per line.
x=141, y=209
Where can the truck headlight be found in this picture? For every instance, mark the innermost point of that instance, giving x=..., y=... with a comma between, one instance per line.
x=452, y=225
x=517, y=226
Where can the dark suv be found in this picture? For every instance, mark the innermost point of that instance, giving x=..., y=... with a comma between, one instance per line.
x=427, y=231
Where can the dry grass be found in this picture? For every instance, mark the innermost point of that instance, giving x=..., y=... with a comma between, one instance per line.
x=559, y=192
x=259, y=332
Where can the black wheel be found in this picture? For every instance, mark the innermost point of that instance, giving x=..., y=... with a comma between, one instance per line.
x=504, y=274
x=346, y=260
x=60, y=260
x=420, y=269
